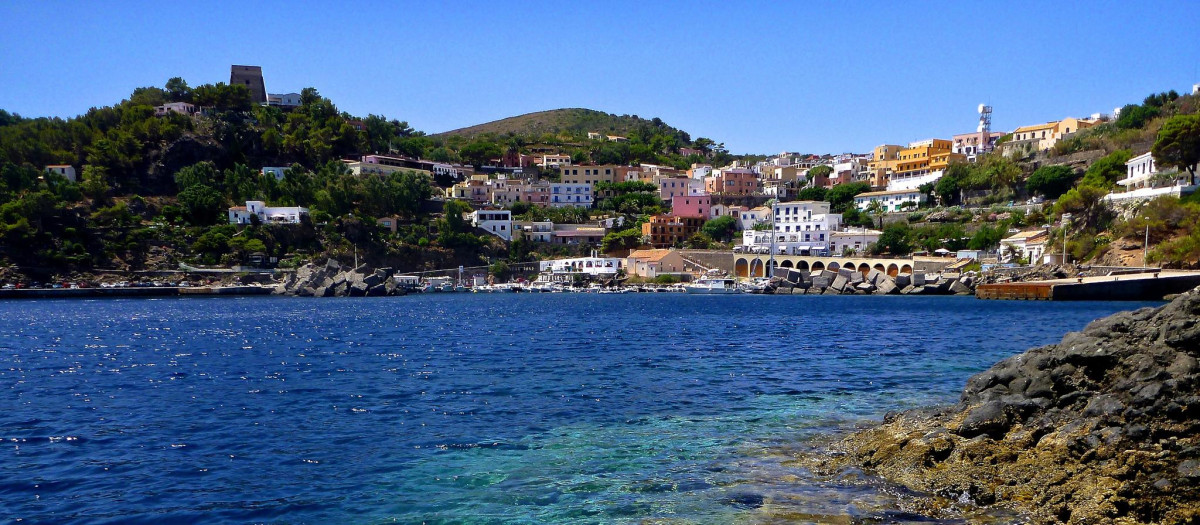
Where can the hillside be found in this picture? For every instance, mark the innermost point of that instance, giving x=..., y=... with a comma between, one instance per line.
x=574, y=121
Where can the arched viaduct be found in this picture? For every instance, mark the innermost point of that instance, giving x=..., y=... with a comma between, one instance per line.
x=755, y=265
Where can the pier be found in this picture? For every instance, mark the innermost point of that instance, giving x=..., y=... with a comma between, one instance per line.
x=1129, y=287
x=132, y=291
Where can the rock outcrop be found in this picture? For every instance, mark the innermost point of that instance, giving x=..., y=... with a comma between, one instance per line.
x=1103, y=427
x=332, y=280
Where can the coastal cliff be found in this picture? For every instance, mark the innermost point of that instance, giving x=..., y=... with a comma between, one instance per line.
x=1102, y=427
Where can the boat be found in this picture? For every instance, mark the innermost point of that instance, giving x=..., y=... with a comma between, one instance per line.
x=713, y=286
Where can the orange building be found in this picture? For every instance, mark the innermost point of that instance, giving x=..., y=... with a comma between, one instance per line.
x=664, y=231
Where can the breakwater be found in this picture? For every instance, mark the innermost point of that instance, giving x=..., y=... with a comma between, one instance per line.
x=131, y=291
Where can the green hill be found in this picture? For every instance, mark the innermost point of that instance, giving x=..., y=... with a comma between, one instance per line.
x=572, y=121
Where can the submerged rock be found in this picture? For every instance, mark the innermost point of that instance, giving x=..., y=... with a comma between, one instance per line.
x=1103, y=427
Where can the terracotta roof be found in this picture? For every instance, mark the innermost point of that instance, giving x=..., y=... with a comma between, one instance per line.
x=1025, y=235
x=1047, y=125
x=650, y=255
x=238, y=208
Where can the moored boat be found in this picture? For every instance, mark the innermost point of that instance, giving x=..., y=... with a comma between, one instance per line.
x=713, y=286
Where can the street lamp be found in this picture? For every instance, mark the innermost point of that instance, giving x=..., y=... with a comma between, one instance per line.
x=1146, y=245
x=1066, y=221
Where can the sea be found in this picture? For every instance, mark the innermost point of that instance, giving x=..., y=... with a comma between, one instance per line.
x=476, y=408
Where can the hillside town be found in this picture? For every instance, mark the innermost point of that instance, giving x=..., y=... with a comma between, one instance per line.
x=986, y=198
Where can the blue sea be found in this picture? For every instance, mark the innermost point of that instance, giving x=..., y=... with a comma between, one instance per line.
x=466, y=408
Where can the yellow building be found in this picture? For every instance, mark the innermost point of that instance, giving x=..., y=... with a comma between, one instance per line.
x=1044, y=136
x=917, y=158
x=883, y=162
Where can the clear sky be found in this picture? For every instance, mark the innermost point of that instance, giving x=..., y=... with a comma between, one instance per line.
x=823, y=77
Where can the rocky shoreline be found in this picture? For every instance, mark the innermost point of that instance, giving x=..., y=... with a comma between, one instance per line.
x=1103, y=427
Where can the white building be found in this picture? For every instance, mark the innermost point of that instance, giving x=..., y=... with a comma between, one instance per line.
x=856, y=239
x=1030, y=245
x=563, y=194
x=496, y=222
x=536, y=231
x=554, y=161
x=799, y=228
x=889, y=200
x=748, y=219
x=1143, y=181
x=283, y=100
x=183, y=108
x=274, y=171
x=593, y=265
x=266, y=214
x=66, y=170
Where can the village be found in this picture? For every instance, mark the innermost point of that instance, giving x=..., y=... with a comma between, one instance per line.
x=755, y=219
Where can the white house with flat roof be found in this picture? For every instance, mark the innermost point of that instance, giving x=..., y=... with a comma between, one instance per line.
x=586, y=265
x=1143, y=181
x=889, y=200
x=66, y=170
x=856, y=239
x=266, y=214
x=274, y=171
x=496, y=222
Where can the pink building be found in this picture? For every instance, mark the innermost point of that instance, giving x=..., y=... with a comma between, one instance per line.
x=737, y=181
x=691, y=206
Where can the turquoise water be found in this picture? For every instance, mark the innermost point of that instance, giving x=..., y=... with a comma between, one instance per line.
x=548, y=408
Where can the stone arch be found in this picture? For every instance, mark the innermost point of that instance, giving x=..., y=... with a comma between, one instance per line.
x=906, y=269
x=741, y=268
x=880, y=267
x=864, y=268
x=771, y=265
x=818, y=266
x=893, y=270
x=756, y=268
x=786, y=264
x=833, y=266
x=802, y=265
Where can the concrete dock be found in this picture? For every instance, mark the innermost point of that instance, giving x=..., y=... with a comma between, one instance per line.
x=1131, y=287
x=132, y=291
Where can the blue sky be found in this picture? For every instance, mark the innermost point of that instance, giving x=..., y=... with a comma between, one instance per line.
x=760, y=77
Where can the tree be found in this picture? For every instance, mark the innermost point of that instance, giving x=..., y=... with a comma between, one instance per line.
x=841, y=196
x=95, y=183
x=178, y=90
x=500, y=270
x=1178, y=144
x=894, y=240
x=1051, y=181
x=480, y=152
x=203, y=172
x=621, y=240
x=1107, y=170
x=1135, y=116
x=201, y=205
x=812, y=194
x=699, y=241
x=985, y=237
x=720, y=228
x=819, y=171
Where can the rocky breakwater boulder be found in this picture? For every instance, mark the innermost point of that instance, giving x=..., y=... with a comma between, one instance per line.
x=333, y=280
x=851, y=282
x=1103, y=427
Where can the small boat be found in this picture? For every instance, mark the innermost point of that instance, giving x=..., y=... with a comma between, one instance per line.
x=713, y=286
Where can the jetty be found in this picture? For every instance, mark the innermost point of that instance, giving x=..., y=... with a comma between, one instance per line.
x=132, y=291
x=1150, y=286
